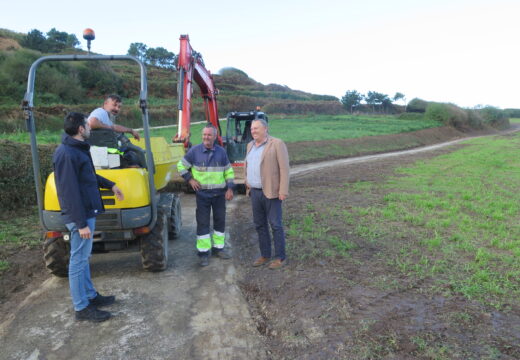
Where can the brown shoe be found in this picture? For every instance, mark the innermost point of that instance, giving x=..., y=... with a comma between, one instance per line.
x=260, y=261
x=276, y=264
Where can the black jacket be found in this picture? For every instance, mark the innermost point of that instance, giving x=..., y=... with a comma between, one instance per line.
x=77, y=183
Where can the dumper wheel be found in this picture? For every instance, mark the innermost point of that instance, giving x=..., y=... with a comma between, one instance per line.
x=56, y=253
x=154, y=245
x=175, y=218
x=240, y=188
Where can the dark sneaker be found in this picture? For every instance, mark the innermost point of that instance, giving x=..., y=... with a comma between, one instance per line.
x=101, y=300
x=221, y=253
x=91, y=313
x=204, y=260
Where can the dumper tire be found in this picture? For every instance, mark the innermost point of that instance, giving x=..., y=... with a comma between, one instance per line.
x=154, y=245
x=175, y=218
x=240, y=188
x=56, y=253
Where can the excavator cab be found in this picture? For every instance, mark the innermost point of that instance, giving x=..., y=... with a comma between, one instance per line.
x=238, y=135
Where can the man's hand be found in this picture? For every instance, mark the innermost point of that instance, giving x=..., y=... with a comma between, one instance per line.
x=229, y=194
x=282, y=197
x=135, y=134
x=85, y=233
x=195, y=185
x=118, y=193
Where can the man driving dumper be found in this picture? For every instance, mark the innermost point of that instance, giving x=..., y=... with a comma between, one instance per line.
x=103, y=126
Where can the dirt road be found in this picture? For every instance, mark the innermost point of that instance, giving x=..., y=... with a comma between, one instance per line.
x=186, y=312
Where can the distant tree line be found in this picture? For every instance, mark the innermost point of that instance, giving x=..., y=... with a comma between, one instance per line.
x=375, y=100
x=53, y=42
x=158, y=56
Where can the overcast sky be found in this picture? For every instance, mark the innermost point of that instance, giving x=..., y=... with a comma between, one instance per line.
x=462, y=51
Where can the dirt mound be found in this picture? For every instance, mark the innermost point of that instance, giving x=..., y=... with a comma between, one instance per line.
x=9, y=44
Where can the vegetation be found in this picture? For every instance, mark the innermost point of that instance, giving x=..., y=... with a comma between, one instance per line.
x=450, y=222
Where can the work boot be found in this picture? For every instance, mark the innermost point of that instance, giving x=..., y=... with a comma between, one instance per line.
x=204, y=260
x=276, y=264
x=91, y=313
x=260, y=261
x=101, y=300
x=221, y=253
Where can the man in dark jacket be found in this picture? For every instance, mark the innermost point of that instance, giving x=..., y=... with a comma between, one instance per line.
x=78, y=186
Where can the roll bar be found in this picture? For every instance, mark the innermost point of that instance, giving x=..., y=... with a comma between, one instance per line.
x=27, y=106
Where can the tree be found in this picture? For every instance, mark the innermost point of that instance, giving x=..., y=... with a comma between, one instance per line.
x=60, y=40
x=351, y=99
x=398, y=96
x=35, y=40
x=160, y=57
x=138, y=50
x=375, y=98
x=165, y=58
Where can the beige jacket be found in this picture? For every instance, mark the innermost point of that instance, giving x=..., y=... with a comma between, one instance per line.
x=274, y=168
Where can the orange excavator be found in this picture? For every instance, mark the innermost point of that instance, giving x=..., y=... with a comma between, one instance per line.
x=191, y=68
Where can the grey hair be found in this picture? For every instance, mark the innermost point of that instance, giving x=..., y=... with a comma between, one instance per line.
x=263, y=122
x=210, y=126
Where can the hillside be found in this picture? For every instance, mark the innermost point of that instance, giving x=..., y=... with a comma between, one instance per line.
x=81, y=86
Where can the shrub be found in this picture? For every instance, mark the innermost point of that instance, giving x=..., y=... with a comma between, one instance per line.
x=494, y=116
x=447, y=114
x=16, y=173
x=417, y=105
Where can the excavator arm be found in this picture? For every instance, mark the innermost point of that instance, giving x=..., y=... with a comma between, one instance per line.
x=191, y=68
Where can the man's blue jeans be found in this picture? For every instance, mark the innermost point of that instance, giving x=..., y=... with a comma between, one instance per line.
x=268, y=211
x=81, y=287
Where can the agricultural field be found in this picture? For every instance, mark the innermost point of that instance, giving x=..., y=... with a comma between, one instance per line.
x=412, y=257
x=290, y=129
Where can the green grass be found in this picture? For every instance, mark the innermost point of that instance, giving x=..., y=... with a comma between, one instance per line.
x=333, y=127
x=514, y=121
x=291, y=129
x=451, y=220
x=462, y=211
x=20, y=230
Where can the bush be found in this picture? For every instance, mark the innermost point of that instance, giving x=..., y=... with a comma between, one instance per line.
x=494, y=117
x=417, y=105
x=447, y=114
x=16, y=173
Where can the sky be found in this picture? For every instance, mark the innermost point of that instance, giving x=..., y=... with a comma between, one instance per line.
x=466, y=52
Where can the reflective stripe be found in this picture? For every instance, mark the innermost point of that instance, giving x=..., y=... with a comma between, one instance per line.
x=114, y=151
x=203, y=243
x=229, y=174
x=218, y=239
x=208, y=177
x=183, y=166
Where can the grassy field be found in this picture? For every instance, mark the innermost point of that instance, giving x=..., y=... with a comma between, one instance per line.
x=290, y=129
x=451, y=220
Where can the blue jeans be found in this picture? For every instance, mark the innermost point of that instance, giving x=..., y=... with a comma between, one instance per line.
x=268, y=211
x=81, y=287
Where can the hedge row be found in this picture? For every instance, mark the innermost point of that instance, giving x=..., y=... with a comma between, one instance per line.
x=16, y=173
